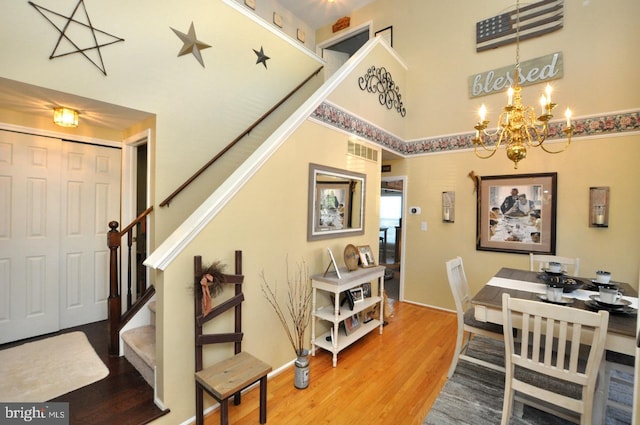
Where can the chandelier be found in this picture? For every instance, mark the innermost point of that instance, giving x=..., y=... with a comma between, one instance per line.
x=518, y=126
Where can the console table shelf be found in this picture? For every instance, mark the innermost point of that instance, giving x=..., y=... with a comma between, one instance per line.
x=336, y=313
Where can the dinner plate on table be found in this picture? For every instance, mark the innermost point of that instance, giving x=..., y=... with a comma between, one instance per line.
x=619, y=304
x=592, y=285
x=563, y=300
x=591, y=304
x=567, y=284
x=606, y=285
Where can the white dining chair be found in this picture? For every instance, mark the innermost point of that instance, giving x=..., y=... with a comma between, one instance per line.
x=569, y=265
x=556, y=370
x=468, y=326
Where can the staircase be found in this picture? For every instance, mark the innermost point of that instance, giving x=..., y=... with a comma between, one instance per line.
x=140, y=347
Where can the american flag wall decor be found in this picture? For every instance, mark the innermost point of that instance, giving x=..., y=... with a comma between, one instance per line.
x=535, y=20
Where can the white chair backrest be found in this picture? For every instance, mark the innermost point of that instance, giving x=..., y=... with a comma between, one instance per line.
x=555, y=333
x=459, y=285
x=538, y=262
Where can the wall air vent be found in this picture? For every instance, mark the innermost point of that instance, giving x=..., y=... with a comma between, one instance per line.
x=358, y=149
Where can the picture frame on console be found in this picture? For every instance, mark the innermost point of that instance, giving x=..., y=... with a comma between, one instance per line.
x=357, y=294
x=366, y=256
x=351, y=323
x=517, y=213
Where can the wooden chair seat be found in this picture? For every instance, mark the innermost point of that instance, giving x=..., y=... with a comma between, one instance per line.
x=470, y=321
x=226, y=378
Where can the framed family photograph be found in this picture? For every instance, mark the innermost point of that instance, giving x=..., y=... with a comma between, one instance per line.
x=366, y=256
x=357, y=294
x=366, y=289
x=371, y=313
x=351, y=323
x=517, y=213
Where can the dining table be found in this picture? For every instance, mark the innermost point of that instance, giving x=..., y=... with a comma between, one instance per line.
x=531, y=285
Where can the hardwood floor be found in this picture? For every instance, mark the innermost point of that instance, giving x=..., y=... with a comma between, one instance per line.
x=392, y=378
x=121, y=398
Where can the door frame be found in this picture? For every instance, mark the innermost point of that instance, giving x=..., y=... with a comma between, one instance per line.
x=403, y=229
x=128, y=202
x=325, y=45
x=343, y=36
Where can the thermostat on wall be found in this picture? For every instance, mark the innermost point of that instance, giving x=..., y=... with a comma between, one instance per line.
x=415, y=210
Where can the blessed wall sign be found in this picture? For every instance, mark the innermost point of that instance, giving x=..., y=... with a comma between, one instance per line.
x=534, y=71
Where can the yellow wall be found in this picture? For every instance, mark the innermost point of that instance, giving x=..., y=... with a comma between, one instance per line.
x=198, y=110
x=267, y=220
x=366, y=105
x=598, y=162
x=437, y=42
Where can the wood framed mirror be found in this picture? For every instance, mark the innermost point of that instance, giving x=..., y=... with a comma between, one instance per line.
x=336, y=203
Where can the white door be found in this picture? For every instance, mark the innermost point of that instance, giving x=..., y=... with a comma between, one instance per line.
x=90, y=199
x=334, y=61
x=29, y=234
x=56, y=199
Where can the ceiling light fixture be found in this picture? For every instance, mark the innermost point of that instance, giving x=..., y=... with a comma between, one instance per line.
x=518, y=126
x=65, y=117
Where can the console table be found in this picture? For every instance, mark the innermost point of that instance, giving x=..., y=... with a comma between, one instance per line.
x=333, y=340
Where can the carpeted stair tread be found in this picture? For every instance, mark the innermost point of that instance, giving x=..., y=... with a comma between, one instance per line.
x=142, y=341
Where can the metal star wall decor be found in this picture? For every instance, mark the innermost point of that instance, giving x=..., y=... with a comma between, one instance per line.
x=78, y=26
x=191, y=44
x=261, y=57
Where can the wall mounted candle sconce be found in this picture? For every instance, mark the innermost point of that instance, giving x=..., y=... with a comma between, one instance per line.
x=599, y=206
x=448, y=207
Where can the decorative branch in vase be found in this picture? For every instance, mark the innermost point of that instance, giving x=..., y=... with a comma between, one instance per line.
x=298, y=305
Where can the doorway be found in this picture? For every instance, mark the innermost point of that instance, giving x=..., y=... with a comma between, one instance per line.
x=337, y=50
x=136, y=198
x=391, y=212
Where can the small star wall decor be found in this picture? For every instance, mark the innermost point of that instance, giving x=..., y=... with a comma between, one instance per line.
x=77, y=24
x=261, y=57
x=191, y=44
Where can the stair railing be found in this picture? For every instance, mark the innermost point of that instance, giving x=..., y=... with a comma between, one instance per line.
x=197, y=174
x=115, y=317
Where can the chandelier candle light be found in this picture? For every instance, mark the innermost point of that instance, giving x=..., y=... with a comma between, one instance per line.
x=518, y=126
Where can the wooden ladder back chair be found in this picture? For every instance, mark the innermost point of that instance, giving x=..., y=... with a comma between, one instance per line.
x=556, y=370
x=467, y=324
x=229, y=377
x=538, y=262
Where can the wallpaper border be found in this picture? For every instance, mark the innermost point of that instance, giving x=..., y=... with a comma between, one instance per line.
x=614, y=123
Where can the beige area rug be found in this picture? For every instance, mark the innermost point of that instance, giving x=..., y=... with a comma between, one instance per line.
x=45, y=369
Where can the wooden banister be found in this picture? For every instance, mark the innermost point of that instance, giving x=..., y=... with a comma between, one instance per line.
x=197, y=174
x=114, y=240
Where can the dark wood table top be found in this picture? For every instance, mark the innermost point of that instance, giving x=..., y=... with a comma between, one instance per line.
x=491, y=297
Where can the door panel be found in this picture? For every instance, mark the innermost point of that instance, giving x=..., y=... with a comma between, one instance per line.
x=91, y=176
x=29, y=271
x=56, y=199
